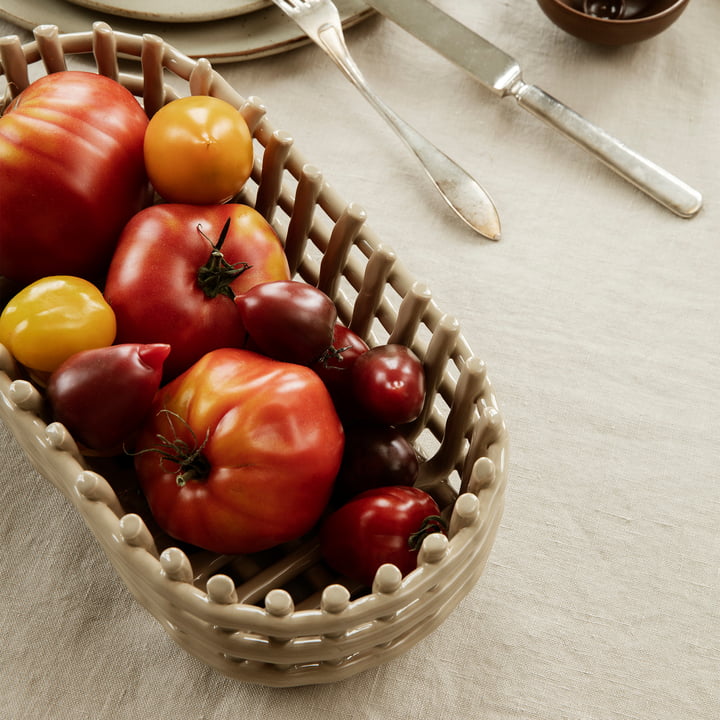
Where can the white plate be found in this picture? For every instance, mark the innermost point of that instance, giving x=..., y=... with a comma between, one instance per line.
x=175, y=10
x=243, y=37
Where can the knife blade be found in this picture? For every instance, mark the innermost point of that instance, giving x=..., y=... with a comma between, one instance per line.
x=502, y=75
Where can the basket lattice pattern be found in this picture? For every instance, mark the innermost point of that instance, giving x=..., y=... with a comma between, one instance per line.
x=281, y=617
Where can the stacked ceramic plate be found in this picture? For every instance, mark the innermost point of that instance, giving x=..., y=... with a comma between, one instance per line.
x=220, y=30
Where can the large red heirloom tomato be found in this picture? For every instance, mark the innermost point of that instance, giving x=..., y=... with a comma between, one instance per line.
x=72, y=174
x=240, y=452
x=177, y=269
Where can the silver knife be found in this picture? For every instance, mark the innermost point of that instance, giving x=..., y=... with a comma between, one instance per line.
x=501, y=74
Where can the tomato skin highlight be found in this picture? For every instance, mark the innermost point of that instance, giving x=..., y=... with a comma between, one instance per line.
x=271, y=444
x=103, y=395
x=152, y=284
x=375, y=528
x=198, y=150
x=72, y=174
x=54, y=318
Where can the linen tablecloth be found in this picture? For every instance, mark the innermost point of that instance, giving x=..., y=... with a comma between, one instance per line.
x=597, y=315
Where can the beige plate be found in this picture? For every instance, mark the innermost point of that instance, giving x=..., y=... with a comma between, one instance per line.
x=175, y=10
x=243, y=37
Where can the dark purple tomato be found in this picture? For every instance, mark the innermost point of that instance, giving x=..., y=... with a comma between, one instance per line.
x=375, y=456
x=102, y=396
x=288, y=320
x=389, y=384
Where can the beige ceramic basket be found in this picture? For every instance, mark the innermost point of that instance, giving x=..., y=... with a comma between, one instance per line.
x=281, y=618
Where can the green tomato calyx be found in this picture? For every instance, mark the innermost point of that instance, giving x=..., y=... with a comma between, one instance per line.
x=215, y=277
x=189, y=458
x=430, y=525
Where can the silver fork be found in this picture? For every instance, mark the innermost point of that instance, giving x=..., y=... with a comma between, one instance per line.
x=321, y=22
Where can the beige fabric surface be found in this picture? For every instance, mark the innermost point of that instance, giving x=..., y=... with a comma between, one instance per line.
x=597, y=315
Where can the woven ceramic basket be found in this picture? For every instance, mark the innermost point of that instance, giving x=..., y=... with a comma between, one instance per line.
x=281, y=617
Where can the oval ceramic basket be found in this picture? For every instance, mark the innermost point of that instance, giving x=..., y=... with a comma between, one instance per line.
x=282, y=618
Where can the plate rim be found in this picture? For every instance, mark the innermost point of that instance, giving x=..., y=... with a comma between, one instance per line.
x=190, y=10
x=244, y=37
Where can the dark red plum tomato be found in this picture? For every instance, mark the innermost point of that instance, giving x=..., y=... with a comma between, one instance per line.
x=383, y=525
x=375, y=456
x=389, y=384
x=288, y=320
x=102, y=396
x=335, y=366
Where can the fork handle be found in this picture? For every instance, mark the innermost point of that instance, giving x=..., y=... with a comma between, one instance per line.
x=462, y=192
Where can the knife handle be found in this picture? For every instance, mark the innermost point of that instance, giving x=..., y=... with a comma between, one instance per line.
x=659, y=184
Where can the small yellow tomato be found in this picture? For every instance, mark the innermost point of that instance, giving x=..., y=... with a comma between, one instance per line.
x=53, y=318
x=198, y=150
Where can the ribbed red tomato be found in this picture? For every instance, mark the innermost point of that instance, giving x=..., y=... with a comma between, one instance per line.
x=72, y=174
x=240, y=452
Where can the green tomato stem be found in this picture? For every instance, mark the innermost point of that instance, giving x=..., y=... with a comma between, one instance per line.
x=431, y=524
x=217, y=274
x=192, y=464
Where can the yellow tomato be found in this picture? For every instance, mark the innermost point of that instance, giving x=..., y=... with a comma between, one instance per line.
x=53, y=318
x=198, y=150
